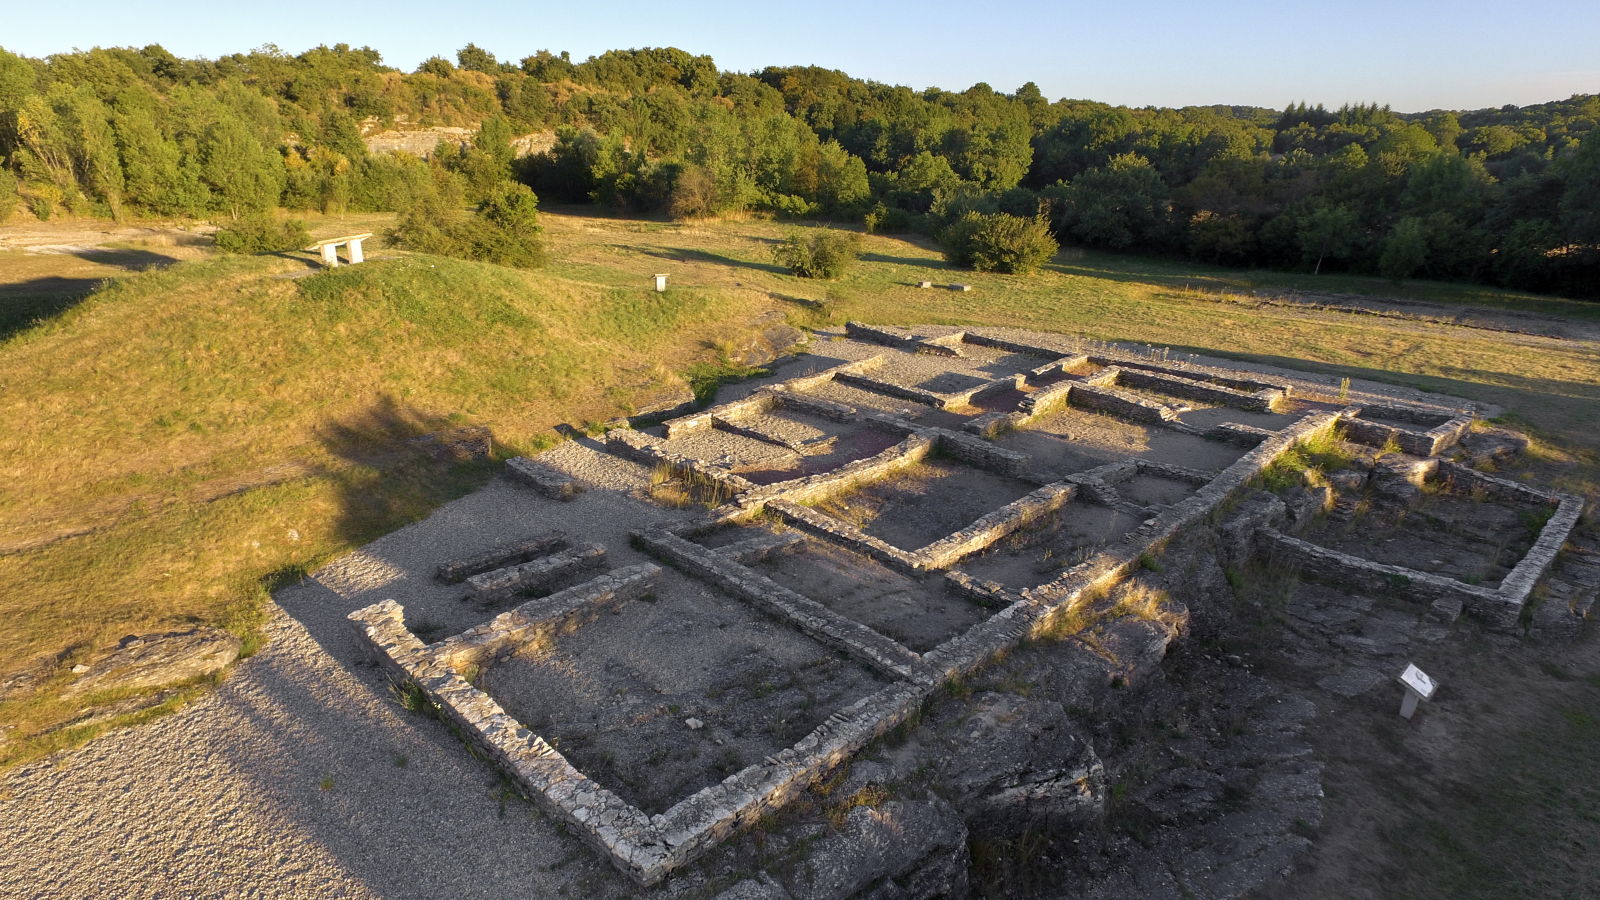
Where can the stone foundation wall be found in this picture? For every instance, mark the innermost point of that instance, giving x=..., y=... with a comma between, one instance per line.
x=1196, y=390
x=534, y=574
x=1417, y=443
x=536, y=621
x=457, y=570
x=1372, y=577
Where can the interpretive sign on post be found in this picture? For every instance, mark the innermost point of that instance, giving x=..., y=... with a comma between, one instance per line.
x=1418, y=687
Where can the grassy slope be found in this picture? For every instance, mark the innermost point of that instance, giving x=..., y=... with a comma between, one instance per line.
x=167, y=435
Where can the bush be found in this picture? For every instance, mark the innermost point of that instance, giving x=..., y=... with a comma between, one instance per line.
x=825, y=254
x=261, y=233
x=888, y=220
x=504, y=231
x=8, y=194
x=999, y=243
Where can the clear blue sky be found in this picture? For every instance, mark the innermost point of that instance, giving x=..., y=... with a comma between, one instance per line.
x=1413, y=55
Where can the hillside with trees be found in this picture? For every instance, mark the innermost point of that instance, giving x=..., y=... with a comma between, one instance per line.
x=1508, y=196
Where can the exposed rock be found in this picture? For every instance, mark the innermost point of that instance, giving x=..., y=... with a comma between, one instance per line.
x=542, y=478
x=1352, y=682
x=1014, y=762
x=473, y=442
x=1405, y=467
x=1491, y=446
x=153, y=660
x=899, y=851
x=665, y=401
x=1304, y=504
x=97, y=714
x=1347, y=480
x=1238, y=533
x=764, y=888
x=1180, y=793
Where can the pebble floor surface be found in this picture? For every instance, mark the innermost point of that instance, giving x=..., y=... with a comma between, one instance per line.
x=300, y=776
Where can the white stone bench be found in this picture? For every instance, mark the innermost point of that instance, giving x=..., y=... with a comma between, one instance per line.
x=330, y=248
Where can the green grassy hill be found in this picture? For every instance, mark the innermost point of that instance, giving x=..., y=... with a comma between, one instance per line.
x=183, y=434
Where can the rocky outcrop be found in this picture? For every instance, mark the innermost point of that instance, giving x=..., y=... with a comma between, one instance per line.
x=155, y=660
x=902, y=850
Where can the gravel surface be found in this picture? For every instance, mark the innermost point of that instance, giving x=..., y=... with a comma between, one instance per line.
x=288, y=780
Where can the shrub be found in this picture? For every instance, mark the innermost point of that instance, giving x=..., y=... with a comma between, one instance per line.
x=888, y=220
x=999, y=242
x=505, y=229
x=8, y=194
x=261, y=233
x=825, y=254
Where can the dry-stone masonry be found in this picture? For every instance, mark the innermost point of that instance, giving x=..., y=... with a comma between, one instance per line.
x=870, y=455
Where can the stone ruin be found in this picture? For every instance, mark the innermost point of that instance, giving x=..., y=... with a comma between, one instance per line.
x=738, y=602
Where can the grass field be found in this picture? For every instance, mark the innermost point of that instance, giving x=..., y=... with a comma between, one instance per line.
x=184, y=436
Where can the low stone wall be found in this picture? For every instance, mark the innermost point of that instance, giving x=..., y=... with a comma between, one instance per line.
x=1197, y=390
x=915, y=395
x=620, y=832
x=1468, y=480
x=535, y=574
x=531, y=547
x=978, y=452
x=816, y=406
x=1417, y=443
x=843, y=533
x=754, y=405
x=1425, y=417
x=939, y=346
x=1366, y=575
x=651, y=451
x=542, y=479
x=536, y=621
x=810, y=382
x=1122, y=404
x=814, y=488
x=809, y=616
x=1191, y=371
x=996, y=525
x=1518, y=585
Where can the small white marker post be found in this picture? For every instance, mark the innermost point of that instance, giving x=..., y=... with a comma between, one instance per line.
x=661, y=284
x=1418, y=687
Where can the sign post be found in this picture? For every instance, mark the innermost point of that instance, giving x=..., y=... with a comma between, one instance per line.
x=1418, y=687
x=661, y=283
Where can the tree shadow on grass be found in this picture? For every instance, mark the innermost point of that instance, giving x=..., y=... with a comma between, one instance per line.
x=402, y=464
x=31, y=303
x=706, y=256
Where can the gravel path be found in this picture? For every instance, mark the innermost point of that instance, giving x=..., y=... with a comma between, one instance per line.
x=287, y=782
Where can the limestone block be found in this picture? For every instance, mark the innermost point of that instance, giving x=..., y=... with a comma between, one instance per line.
x=1492, y=446
x=1238, y=532
x=1014, y=762
x=514, y=553
x=1304, y=504
x=152, y=660
x=542, y=478
x=920, y=846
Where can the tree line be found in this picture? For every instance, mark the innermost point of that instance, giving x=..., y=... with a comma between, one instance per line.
x=1508, y=196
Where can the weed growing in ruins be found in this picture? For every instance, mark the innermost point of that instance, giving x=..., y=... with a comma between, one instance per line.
x=1319, y=452
x=412, y=698
x=872, y=796
x=679, y=488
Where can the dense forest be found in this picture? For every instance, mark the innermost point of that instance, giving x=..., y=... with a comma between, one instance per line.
x=1508, y=196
